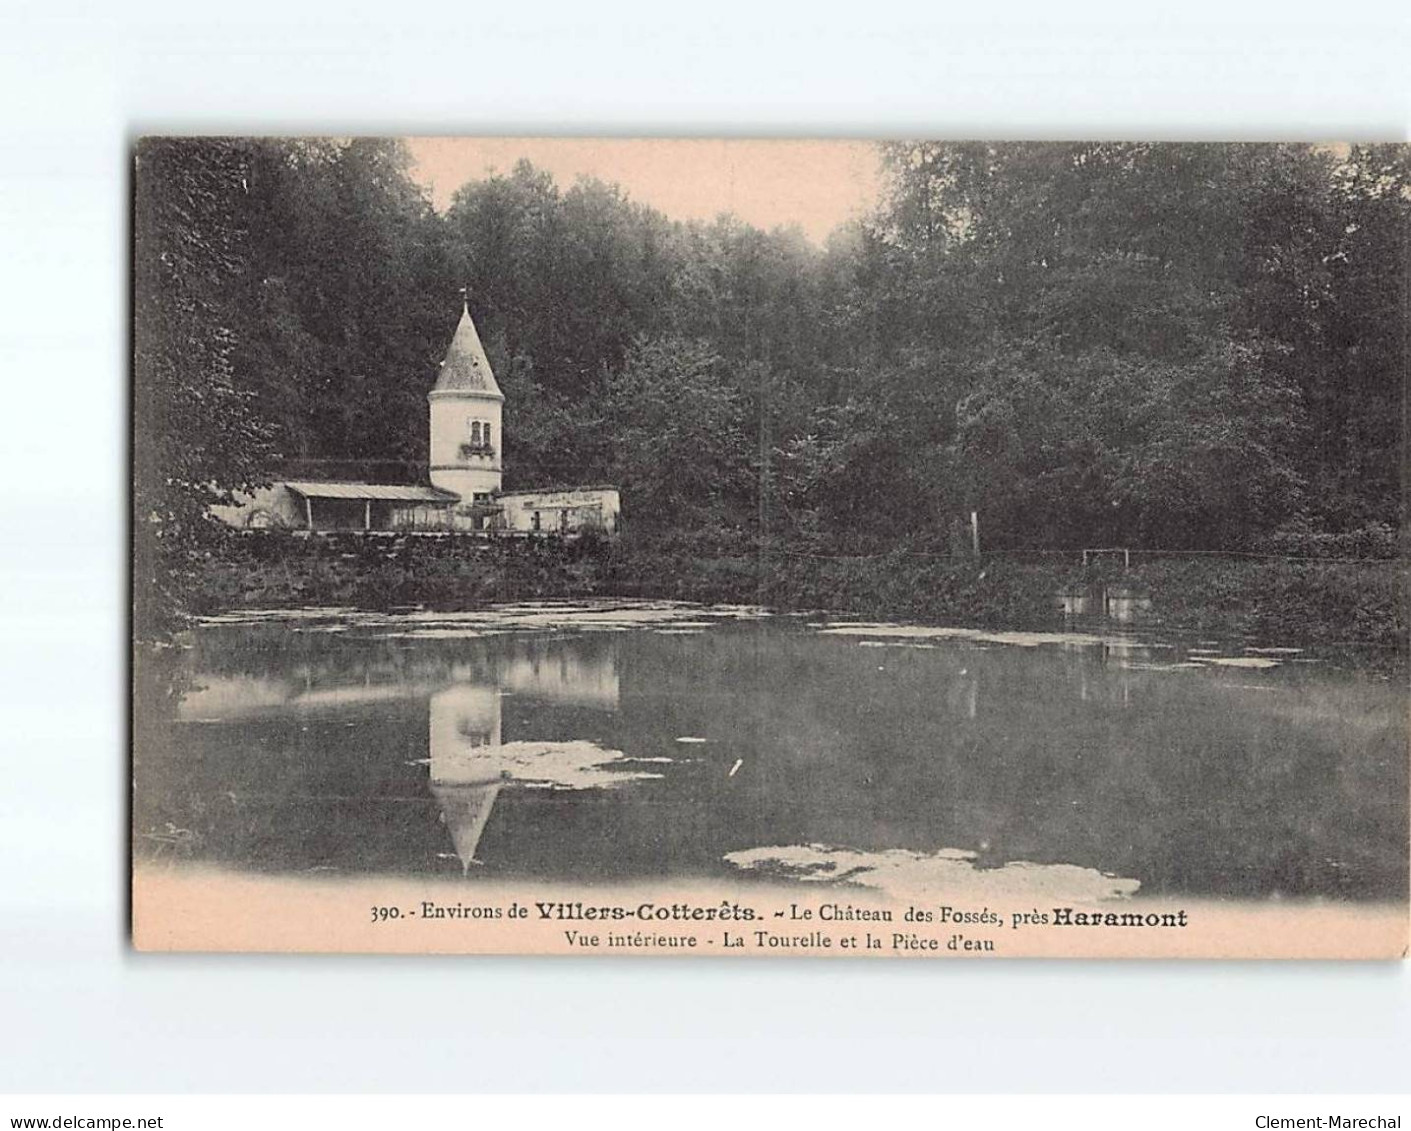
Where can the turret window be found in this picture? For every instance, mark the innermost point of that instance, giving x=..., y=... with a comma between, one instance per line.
x=479, y=442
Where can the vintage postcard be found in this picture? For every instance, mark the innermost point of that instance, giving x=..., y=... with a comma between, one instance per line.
x=769, y=548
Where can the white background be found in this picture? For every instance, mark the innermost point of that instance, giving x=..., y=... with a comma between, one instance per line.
x=77, y=81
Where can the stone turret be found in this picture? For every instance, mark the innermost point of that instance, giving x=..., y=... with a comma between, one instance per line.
x=466, y=441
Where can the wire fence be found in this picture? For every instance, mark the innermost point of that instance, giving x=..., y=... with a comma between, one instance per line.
x=411, y=471
x=1081, y=556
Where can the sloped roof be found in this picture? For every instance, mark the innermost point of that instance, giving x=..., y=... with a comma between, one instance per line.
x=466, y=369
x=376, y=492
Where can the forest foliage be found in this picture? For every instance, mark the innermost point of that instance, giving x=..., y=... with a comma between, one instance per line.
x=1158, y=345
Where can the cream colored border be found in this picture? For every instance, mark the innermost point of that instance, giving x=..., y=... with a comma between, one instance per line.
x=181, y=909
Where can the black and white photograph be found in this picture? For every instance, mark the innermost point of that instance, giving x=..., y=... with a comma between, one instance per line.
x=767, y=565
x=769, y=547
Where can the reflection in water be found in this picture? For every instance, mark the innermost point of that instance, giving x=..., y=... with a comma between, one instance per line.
x=541, y=751
x=568, y=678
x=465, y=722
x=469, y=763
x=465, y=809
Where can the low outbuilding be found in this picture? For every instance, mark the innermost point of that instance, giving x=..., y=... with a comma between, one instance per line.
x=465, y=472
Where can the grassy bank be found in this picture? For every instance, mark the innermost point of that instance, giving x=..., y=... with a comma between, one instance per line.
x=1294, y=602
x=269, y=569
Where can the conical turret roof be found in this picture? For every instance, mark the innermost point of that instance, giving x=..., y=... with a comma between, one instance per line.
x=466, y=369
x=466, y=810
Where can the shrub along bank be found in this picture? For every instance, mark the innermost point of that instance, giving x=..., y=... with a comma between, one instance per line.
x=1269, y=600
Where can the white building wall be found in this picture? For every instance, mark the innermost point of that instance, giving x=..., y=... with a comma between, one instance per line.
x=274, y=506
x=567, y=511
x=454, y=466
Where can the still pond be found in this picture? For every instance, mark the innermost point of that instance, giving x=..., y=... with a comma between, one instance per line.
x=636, y=740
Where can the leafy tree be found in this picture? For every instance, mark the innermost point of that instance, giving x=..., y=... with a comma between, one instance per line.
x=1161, y=345
x=1156, y=342
x=678, y=436
x=354, y=280
x=200, y=433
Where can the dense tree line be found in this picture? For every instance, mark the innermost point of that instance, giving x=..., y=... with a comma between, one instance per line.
x=1159, y=345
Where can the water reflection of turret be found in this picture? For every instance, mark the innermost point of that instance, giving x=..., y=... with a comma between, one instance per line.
x=466, y=774
x=465, y=729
